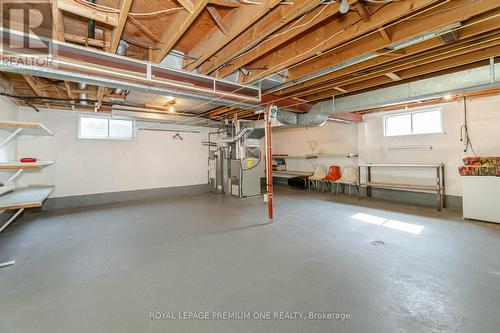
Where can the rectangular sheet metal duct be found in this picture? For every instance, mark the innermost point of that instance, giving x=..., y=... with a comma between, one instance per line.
x=79, y=64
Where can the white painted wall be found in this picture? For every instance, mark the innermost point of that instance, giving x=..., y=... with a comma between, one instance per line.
x=333, y=137
x=368, y=140
x=484, y=130
x=152, y=160
x=8, y=152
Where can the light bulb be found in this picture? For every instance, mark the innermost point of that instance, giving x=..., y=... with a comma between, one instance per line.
x=447, y=97
x=344, y=7
x=171, y=109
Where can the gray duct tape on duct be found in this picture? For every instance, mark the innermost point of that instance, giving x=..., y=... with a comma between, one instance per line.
x=318, y=115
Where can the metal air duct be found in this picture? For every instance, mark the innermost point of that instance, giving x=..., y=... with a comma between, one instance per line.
x=121, y=50
x=318, y=115
x=83, y=95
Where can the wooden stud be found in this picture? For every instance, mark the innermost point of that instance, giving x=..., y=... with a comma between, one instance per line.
x=334, y=33
x=176, y=28
x=144, y=29
x=84, y=11
x=384, y=35
x=187, y=4
x=475, y=27
x=362, y=11
x=218, y=19
x=124, y=8
x=441, y=16
x=239, y=20
x=253, y=40
x=393, y=76
x=224, y=3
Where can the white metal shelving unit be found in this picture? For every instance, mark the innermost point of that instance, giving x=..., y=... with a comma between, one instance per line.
x=23, y=197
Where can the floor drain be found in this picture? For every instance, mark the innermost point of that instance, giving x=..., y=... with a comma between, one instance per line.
x=377, y=243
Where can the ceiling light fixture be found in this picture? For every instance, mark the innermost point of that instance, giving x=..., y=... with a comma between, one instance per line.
x=171, y=109
x=448, y=97
x=344, y=7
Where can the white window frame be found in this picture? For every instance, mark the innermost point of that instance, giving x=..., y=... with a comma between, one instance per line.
x=412, y=112
x=107, y=137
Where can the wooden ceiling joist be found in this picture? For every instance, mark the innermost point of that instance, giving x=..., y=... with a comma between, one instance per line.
x=238, y=21
x=415, y=72
x=450, y=12
x=123, y=7
x=254, y=43
x=476, y=26
x=362, y=11
x=187, y=4
x=393, y=76
x=224, y=3
x=445, y=52
x=86, y=41
x=73, y=7
x=334, y=33
x=177, y=26
x=57, y=20
x=252, y=37
x=218, y=19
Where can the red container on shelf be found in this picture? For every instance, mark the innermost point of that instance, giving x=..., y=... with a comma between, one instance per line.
x=27, y=160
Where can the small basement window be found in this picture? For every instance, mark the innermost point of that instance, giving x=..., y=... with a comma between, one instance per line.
x=105, y=128
x=413, y=122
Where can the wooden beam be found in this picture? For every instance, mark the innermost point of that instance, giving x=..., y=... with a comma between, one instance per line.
x=348, y=116
x=100, y=95
x=334, y=33
x=144, y=29
x=390, y=53
x=384, y=35
x=57, y=21
x=175, y=28
x=36, y=89
x=124, y=8
x=187, y=4
x=218, y=19
x=58, y=30
x=445, y=14
x=416, y=72
x=73, y=7
x=88, y=41
x=393, y=76
x=445, y=52
x=254, y=43
x=68, y=89
x=342, y=90
x=238, y=20
x=362, y=11
x=470, y=28
x=224, y=3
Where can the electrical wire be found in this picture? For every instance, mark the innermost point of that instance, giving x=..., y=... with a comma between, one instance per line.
x=464, y=132
x=107, y=9
x=293, y=26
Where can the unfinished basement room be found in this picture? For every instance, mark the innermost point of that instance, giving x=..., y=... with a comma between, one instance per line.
x=249, y=166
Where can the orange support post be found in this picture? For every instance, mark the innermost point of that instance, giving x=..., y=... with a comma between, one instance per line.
x=269, y=163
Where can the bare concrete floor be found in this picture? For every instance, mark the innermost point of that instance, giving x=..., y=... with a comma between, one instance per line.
x=104, y=270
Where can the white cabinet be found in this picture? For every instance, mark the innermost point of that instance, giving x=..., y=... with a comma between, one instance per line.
x=481, y=198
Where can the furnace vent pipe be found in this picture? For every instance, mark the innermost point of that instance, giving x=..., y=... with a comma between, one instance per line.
x=83, y=95
x=237, y=137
